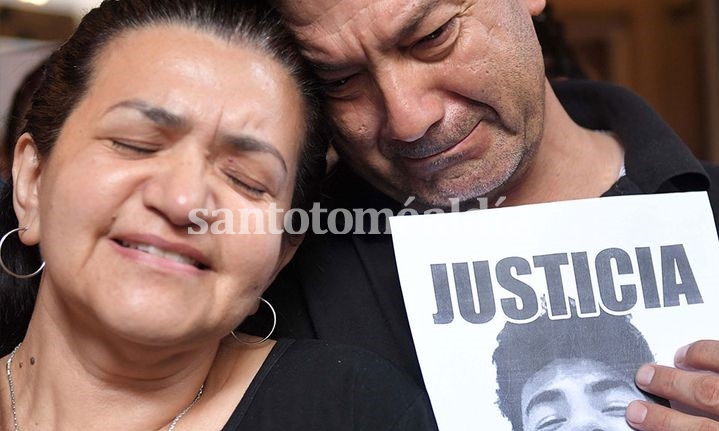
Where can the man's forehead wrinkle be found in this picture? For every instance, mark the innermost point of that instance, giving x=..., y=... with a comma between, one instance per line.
x=301, y=13
x=342, y=34
x=343, y=40
x=317, y=26
x=328, y=50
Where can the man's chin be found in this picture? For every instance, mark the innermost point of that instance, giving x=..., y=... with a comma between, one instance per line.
x=453, y=191
x=445, y=201
x=454, y=195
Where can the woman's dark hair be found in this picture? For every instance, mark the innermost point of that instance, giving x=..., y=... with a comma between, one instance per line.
x=18, y=108
x=69, y=74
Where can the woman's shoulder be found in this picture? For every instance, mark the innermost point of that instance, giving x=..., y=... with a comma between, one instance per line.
x=323, y=363
x=338, y=356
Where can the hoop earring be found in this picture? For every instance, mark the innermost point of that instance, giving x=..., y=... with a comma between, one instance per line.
x=8, y=270
x=274, y=324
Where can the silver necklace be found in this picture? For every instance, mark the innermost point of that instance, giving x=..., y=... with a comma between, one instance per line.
x=12, y=387
x=13, y=405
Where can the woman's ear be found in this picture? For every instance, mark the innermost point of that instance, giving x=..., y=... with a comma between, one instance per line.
x=26, y=173
x=535, y=7
x=290, y=244
x=289, y=248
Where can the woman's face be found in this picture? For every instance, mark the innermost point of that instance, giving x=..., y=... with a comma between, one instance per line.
x=174, y=120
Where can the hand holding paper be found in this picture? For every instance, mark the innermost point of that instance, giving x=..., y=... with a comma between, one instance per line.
x=694, y=383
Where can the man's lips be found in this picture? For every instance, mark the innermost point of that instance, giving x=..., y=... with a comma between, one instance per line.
x=429, y=159
x=418, y=151
x=173, y=252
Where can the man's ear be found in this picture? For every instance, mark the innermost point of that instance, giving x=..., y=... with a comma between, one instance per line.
x=535, y=7
x=26, y=173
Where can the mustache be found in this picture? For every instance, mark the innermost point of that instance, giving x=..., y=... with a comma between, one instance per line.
x=440, y=136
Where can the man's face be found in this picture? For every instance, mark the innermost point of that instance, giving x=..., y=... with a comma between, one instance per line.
x=434, y=98
x=577, y=394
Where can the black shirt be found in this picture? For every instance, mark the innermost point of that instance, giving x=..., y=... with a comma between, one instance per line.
x=345, y=288
x=310, y=385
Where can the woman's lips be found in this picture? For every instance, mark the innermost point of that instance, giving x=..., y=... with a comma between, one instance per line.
x=158, y=249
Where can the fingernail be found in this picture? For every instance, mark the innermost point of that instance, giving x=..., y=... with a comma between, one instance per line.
x=644, y=375
x=636, y=412
x=681, y=355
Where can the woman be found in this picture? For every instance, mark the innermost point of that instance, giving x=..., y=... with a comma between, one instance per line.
x=152, y=110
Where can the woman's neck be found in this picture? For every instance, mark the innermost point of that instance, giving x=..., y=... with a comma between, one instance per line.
x=70, y=378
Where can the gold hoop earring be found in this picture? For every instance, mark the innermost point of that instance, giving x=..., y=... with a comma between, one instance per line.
x=2, y=263
x=274, y=324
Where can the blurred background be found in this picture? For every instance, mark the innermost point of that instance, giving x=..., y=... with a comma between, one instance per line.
x=666, y=50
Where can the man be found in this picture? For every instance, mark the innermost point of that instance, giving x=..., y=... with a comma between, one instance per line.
x=569, y=374
x=441, y=99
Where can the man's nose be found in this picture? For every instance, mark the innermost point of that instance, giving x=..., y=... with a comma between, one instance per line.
x=411, y=103
x=179, y=185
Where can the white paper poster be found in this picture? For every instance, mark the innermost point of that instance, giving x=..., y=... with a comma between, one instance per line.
x=568, y=297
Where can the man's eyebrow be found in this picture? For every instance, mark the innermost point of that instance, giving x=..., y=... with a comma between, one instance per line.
x=328, y=67
x=249, y=143
x=410, y=26
x=543, y=397
x=609, y=384
x=157, y=115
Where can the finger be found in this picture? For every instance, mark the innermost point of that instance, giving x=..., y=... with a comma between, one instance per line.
x=646, y=416
x=701, y=355
x=698, y=390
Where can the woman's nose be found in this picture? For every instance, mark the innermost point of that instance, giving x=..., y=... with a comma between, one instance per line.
x=178, y=186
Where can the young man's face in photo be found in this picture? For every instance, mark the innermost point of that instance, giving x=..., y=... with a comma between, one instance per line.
x=577, y=394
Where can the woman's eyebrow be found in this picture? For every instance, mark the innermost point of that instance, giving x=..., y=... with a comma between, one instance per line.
x=157, y=115
x=250, y=143
x=167, y=119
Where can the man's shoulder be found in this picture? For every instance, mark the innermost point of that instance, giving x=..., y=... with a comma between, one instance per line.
x=712, y=170
x=600, y=105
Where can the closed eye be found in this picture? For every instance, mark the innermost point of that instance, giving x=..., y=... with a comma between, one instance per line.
x=615, y=410
x=550, y=423
x=129, y=147
x=251, y=189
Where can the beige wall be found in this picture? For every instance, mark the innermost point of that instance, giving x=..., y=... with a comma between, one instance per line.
x=660, y=48
x=17, y=58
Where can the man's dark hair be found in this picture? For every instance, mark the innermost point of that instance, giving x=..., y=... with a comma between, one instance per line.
x=560, y=60
x=524, y=349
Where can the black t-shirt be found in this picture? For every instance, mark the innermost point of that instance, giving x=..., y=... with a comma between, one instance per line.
x=309, y=385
